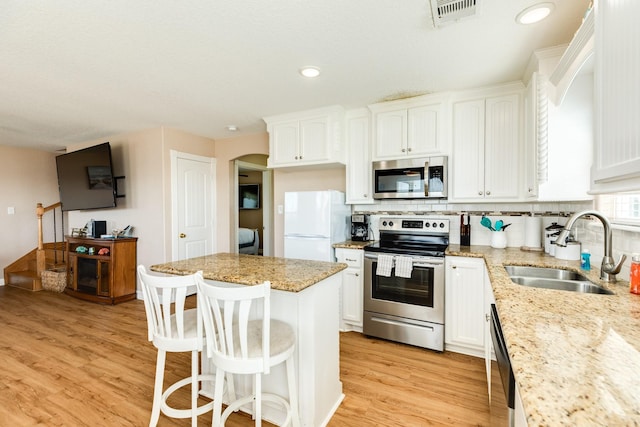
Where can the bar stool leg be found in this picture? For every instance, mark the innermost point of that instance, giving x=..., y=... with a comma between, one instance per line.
x=157, y=389
x=194, y=388
x=293, y=392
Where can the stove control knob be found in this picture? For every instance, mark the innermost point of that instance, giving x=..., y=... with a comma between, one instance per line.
x=442, y=225
x=427, y=225
x=390, y=223
x=435, y=225
x=384, y=223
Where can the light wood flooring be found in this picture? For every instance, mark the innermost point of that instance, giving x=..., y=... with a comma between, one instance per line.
x=66, y=362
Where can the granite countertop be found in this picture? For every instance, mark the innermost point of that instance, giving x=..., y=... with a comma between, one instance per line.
x=285, y=274
x=352, y=244
x=575, y=357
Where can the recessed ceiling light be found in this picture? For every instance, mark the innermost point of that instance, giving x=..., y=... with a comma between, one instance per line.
x=310, y=71
x=535, y=13
x=232, y=128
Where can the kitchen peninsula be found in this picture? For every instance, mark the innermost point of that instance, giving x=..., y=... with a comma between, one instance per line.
x=305, y=294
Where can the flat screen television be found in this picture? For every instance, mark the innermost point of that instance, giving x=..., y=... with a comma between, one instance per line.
x=249, y=195
x=85, y=179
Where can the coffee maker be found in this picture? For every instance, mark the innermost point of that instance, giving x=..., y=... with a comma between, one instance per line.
x=360, y=227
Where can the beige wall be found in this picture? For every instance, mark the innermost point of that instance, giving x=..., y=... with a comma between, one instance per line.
x=301, y=180
x=28, y=177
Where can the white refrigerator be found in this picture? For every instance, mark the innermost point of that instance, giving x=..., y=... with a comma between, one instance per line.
x=313, y=222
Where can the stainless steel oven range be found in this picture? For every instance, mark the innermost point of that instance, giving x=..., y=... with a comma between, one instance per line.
x=404, y=281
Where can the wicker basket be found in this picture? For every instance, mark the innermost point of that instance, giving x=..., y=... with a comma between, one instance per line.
x=53, y=280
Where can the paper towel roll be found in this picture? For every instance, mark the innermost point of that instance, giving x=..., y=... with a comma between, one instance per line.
x=532, y=232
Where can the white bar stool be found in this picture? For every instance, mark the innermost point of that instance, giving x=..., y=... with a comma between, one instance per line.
x=238, y=345
x=173, y=329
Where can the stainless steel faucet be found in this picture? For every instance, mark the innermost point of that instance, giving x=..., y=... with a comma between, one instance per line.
x=609, y=268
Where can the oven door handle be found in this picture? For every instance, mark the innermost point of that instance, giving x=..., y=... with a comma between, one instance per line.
x=427, y=265
x=432, y=264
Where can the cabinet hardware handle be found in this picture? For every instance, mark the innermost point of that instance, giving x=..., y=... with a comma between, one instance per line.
x=296, y=157
x=530, y=190
x=454, y=266
x=488, y=193
x=364, y=195
x=487, y=317
x=349, y=259
x=479, y=193
x=403, y=150
x=409, y=149
x=182, y=235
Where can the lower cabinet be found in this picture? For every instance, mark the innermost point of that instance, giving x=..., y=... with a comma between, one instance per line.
x=465, y=324
x=352, y=289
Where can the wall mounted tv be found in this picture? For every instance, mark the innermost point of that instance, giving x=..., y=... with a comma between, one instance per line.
x=85, y=179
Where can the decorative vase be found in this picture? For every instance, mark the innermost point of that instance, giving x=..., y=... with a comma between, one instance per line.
x=498, y=239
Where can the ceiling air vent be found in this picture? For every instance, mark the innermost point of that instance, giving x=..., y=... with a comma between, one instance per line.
x=445, y=11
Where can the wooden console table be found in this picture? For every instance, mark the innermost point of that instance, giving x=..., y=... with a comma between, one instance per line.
x=106, y=273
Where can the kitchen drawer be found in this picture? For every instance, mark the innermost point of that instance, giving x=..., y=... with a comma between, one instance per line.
x=351, y=257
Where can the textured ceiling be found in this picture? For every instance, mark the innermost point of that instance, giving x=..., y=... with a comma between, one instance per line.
x=77, y=70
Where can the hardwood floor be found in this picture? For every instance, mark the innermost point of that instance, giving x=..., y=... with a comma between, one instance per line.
x=68, y=362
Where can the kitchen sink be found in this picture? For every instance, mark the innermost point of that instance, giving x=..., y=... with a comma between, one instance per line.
x=553, y=278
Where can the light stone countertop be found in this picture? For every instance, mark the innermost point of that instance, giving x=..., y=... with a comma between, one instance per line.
x=575, y=357
x=352, y=244
x=285, y=274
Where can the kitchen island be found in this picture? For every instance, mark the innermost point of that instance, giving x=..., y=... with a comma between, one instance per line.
x=575, y=357
x=305, y=294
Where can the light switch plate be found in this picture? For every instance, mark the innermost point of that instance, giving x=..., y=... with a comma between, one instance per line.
x=11, y=210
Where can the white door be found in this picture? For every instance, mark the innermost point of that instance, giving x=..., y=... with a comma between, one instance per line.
x=193, y=197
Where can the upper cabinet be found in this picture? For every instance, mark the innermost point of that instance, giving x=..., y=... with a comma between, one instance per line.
x=413, y=127
x=617, y=99
x=359, y=184
x=313, y=137
x=486, y=146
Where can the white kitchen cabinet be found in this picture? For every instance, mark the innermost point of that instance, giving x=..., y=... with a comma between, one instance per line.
x=311, y=137
x=352, y=288
x=408, y=128
x=488, y=343
x=531, y=117
x=486, y=149
x=465, y=310
x=616, y=165
x=359, y=185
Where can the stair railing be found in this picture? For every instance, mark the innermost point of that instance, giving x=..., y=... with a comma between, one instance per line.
x=40, y=253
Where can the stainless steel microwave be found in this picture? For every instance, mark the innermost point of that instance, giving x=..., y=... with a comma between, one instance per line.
x=423, y=178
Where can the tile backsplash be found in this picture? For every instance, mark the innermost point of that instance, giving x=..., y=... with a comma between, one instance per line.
x=589, y=232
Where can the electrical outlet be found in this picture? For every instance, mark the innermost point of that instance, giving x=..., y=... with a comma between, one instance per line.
x=11, y=210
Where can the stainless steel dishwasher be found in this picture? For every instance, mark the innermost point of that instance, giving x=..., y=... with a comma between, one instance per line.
x=504, y=388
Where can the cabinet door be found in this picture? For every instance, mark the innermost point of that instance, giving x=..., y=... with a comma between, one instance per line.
x=104, y=279
x=467, y=160
x=352, y=296
x=423, y=129
x=283, y=143
x=616, y=165
x=391, y=135
x=530, y=159
x=502, y=147
x=314, y=139
x=464, y=305
x=359, y=185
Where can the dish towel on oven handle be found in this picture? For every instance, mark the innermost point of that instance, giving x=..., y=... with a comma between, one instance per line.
x=404, y=266
x=385, y=264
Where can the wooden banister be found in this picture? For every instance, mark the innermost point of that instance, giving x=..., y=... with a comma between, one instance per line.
x=40, y=211
x=40, y=253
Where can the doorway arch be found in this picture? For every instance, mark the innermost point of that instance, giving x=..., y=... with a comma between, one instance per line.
x=254, y=165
